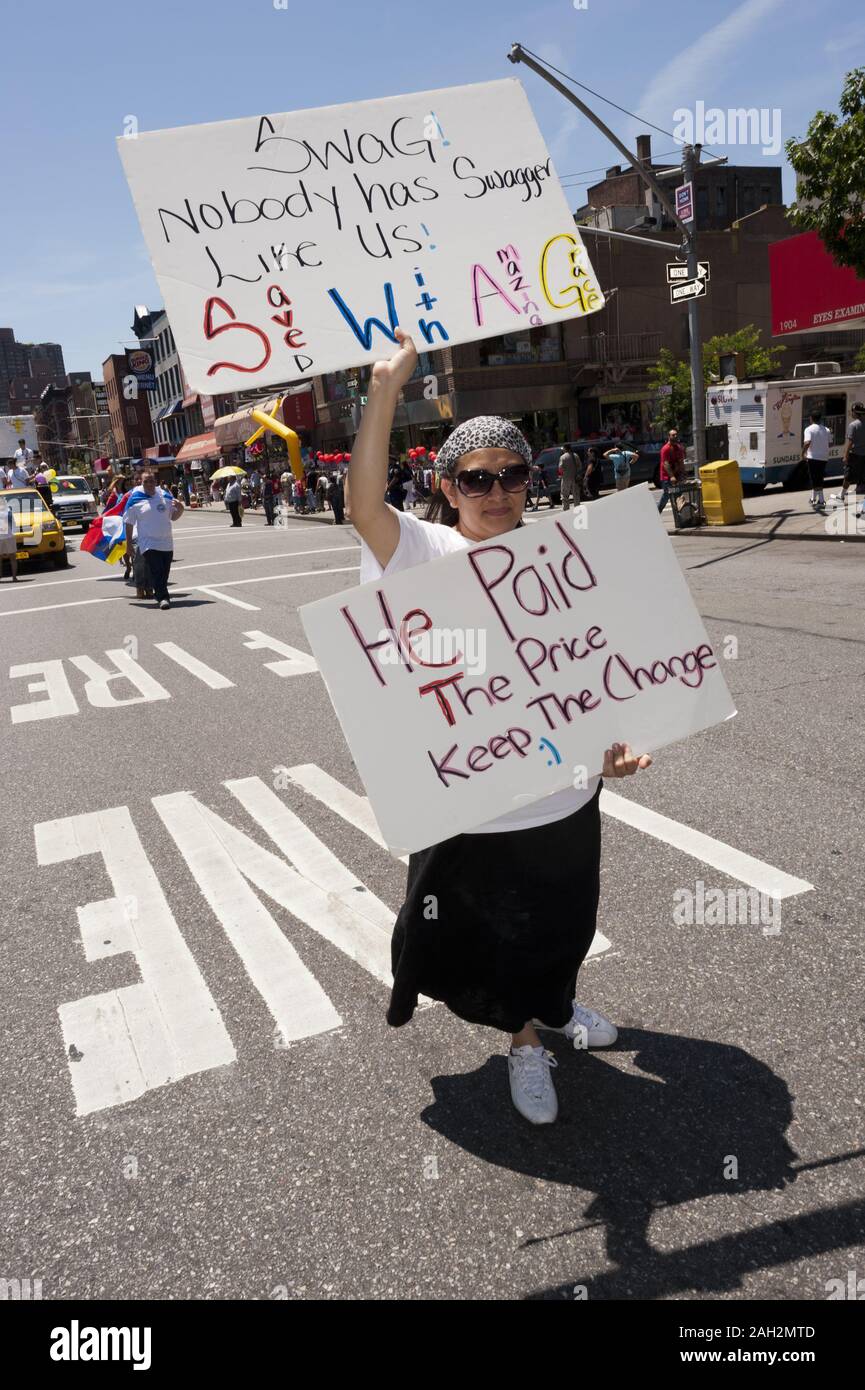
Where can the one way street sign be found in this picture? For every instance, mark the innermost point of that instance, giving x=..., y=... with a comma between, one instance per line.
x=688, y=289
x=677, y=272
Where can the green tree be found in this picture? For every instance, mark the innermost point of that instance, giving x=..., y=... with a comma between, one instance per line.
x=859, y=364
x=830, y=176
x=674, y=407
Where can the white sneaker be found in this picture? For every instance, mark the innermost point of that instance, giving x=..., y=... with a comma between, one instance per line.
x=532, y=1089
x=586, y=1028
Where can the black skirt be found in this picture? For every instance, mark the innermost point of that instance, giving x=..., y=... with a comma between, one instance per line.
x=497, y=926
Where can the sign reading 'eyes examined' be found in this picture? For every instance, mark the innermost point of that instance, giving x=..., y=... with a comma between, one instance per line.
x=478, y=683
x=290, y=245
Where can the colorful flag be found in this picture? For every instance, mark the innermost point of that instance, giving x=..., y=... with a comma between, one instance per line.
x=106, y=538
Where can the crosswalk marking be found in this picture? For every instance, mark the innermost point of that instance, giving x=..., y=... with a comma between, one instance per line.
x=195, y=667
x=129, y=1040
x=357, y=811
x=167, y=1025
x=224, y=862
x=775, y=883
x=296, y=663
x=227, y=598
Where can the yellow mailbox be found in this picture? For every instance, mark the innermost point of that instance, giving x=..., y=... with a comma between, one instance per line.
x=722, y=493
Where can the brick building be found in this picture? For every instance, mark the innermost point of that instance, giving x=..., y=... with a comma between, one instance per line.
x=130, y=419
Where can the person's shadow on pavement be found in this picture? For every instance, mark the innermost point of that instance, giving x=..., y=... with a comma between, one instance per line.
x=701, y=1118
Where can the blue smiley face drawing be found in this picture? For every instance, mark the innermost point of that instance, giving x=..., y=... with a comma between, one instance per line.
x=556, y=759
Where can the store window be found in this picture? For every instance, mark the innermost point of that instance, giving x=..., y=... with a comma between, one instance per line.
x=343, y=386
x=834, y=412
x=622, y=419
x=529, y=345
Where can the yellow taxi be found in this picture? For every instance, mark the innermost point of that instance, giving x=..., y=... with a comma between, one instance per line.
x=38, y=533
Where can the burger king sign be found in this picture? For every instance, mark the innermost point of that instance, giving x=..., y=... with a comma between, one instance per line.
x=139, y=363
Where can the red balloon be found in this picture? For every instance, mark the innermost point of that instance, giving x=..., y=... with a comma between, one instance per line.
x=421, y=449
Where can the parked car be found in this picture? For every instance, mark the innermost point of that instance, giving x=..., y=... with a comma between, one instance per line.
x=645, y=469
x=73, y=502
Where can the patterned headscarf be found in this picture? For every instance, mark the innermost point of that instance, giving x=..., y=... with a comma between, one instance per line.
x=482, y=432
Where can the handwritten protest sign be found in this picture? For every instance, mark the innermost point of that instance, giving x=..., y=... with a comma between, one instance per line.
x=290, y=245
x=557, y=642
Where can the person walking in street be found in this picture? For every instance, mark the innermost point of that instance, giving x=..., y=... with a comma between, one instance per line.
x=672, y=467
x=816, y=441
x=22, y=465
x=539, y=487
x=512, y=926
x=8, y=540
x=593, y=474
x=337, y=499
x=152, y=517
x=43, y=487
x=569, y=471
x=854, y=457
x=395, y=493
x=621, y=459
x=268, y=496
x=322, y=490
x=233, y=496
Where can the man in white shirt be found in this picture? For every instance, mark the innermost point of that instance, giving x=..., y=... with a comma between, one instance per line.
x=22, y=466
x=152, y=516
x=24, y=458
x=817, y=440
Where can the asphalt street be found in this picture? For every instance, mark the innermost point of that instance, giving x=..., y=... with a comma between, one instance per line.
x=177, y=843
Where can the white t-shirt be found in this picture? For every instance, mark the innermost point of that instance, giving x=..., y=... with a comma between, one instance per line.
x=152, y=520
x=18, y=475
x=23, y=458
x=817, y=440
x=420, y=541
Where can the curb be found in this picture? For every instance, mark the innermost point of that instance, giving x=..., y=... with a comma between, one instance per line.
x=743, y=532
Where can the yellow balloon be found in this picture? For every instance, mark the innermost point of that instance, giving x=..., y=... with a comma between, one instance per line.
x=54, y=487
x=50, y=473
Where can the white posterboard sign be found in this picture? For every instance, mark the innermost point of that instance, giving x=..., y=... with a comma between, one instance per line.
x=290, y=245
x=553, y=642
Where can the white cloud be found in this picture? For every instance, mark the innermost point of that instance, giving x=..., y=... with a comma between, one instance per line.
x=848, y=39
x=704, y=62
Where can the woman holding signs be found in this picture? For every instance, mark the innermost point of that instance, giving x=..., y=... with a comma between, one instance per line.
x=495, y=923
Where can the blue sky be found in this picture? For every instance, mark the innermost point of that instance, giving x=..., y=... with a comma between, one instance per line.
x=72, y=260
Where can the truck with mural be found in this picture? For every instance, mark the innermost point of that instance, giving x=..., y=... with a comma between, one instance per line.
x=760, y=424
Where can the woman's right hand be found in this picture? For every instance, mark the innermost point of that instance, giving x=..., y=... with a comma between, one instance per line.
x=397, y=370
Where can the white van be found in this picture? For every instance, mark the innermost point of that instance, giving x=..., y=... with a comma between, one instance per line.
x=72, y=501
x=760, y=424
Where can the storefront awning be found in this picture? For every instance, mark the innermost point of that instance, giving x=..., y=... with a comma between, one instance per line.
x=811, y=293
x=198, y=446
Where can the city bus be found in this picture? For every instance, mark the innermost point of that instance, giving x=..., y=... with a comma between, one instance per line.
x=760, y=423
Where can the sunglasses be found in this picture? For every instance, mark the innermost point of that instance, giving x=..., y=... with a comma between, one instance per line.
x=477, y=482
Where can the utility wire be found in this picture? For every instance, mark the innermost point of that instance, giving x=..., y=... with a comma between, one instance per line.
x=623, y=109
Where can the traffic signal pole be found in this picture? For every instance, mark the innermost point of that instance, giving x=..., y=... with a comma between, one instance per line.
x=688, y=248
x=698, y=390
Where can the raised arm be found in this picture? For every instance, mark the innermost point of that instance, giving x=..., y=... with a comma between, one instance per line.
x=371, y=516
